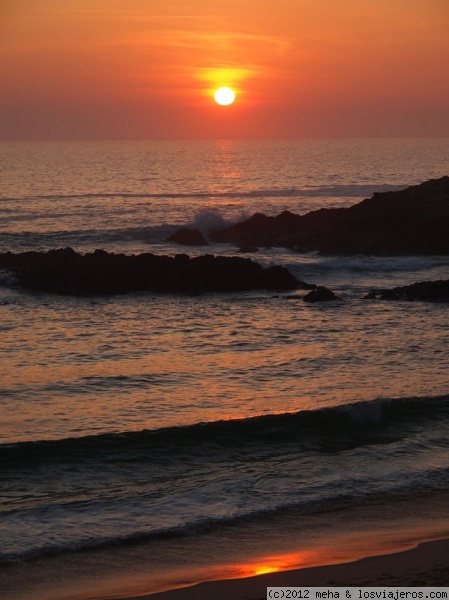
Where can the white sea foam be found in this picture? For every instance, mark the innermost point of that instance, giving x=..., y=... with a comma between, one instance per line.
x=209, y=219
x=7, y=278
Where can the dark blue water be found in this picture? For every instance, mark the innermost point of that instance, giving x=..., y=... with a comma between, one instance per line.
x=179, y=480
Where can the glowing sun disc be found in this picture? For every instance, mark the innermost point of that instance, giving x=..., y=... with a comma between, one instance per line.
x=224, y=96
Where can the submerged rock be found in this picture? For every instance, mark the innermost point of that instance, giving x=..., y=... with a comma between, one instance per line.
x=320, y=294
x=247, y=249
x=65, y=271
x=413, y=221
x=188, y=237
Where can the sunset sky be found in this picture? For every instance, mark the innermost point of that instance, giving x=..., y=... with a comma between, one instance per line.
x=138, y=69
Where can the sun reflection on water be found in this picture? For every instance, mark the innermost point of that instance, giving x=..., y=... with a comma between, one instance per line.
x=276, y=563
x=265, y=570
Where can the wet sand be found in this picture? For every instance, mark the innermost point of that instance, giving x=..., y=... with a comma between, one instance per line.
x=425, y=565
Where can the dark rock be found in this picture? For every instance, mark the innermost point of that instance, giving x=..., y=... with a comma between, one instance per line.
x=427, y=291
x=260, y=230
x=188, y=237
x=320, y=294
x=414, y=221
x=247, y=249
x=371, y=295
x=67, y=272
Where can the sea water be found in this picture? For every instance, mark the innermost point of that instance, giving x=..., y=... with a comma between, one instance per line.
x=146, y=424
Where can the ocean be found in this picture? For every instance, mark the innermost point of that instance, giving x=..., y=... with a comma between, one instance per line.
x=149, y=441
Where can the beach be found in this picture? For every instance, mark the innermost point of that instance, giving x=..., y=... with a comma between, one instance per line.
x=426, y=565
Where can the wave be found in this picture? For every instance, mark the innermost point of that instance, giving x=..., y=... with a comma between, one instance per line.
x=329, y=429
x=361, y=264
x=331, y=191
x=247, y=517
x=97, y=237
x=209, y=219
x=197, y=478
x=354, y=495
x=92, y=384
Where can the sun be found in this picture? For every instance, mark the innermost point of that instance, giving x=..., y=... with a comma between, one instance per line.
x=224, y=96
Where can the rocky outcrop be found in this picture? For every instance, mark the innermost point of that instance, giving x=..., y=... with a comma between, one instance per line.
x=414, y=221
x=188, y=237
x=428, y=291
x=65, y=271
x=320, y=294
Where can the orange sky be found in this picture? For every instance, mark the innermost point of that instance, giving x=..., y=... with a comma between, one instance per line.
x=137, y=69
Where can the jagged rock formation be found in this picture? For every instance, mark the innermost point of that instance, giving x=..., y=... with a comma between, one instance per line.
x=414, y=221
x=65, y=271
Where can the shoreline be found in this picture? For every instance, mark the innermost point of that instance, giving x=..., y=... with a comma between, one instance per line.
x=394, y=547
x=425, y=564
